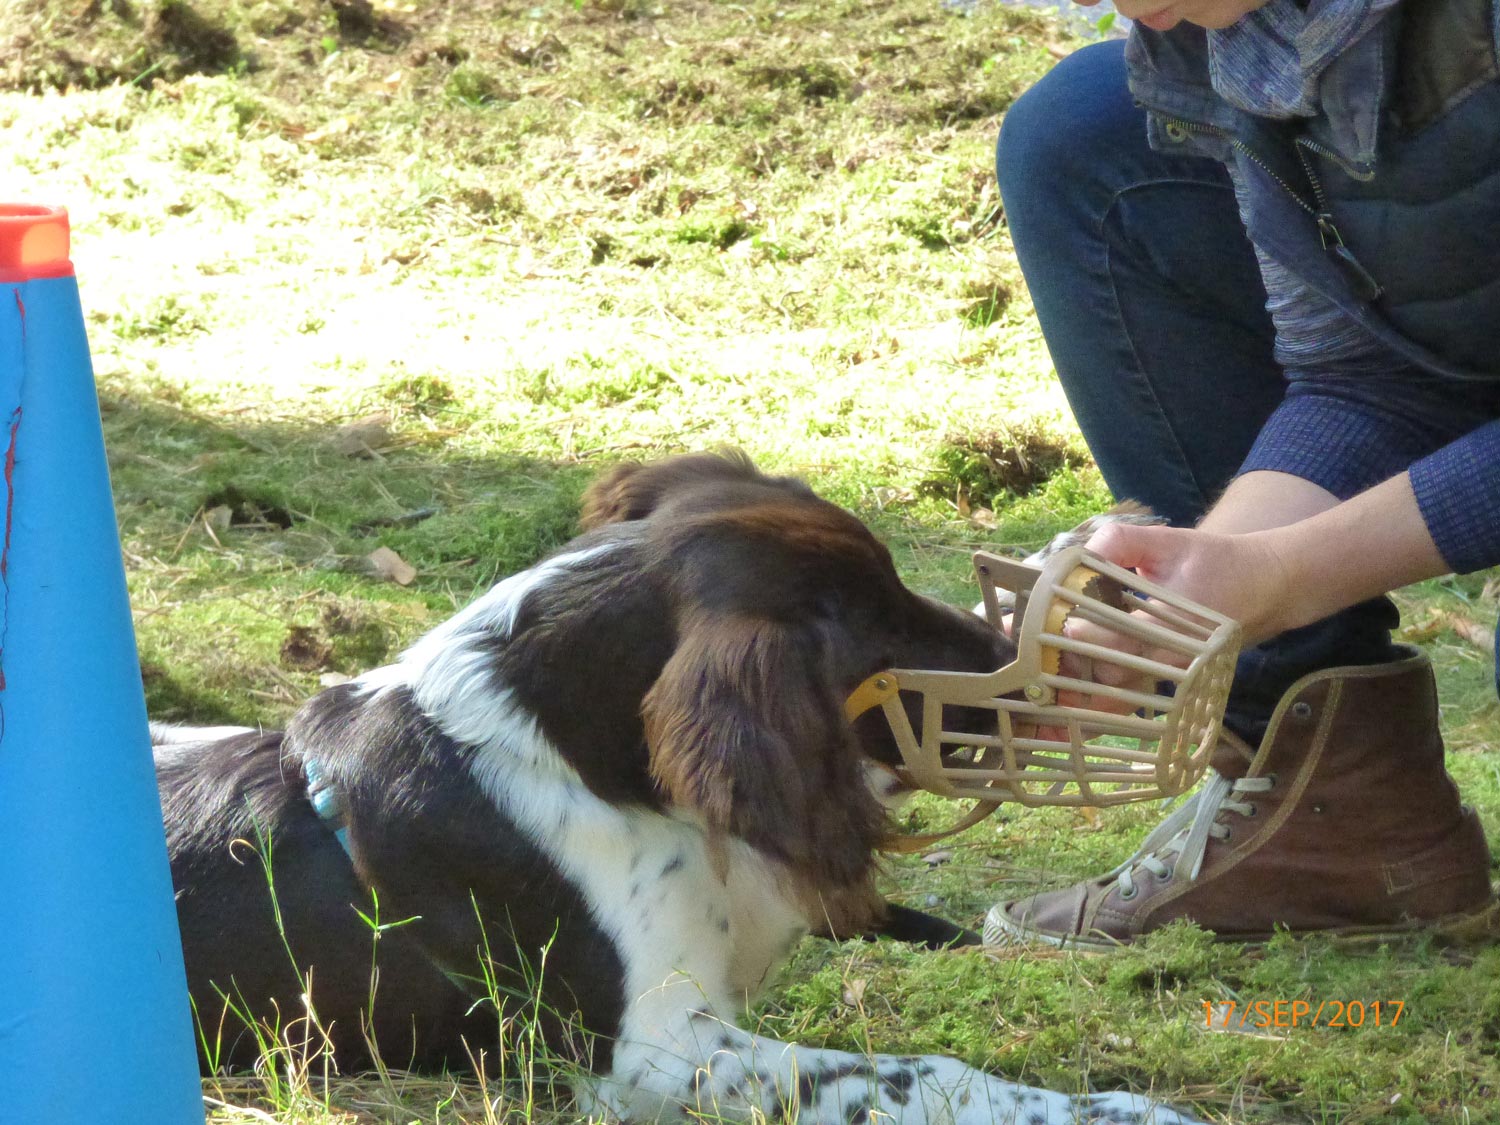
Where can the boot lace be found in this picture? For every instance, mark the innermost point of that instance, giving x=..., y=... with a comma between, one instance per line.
x=1186, y=832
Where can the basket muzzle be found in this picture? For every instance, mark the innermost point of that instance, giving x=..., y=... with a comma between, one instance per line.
x=1116, y=694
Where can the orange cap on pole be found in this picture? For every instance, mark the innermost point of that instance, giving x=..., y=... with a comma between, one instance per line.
x=33, y=242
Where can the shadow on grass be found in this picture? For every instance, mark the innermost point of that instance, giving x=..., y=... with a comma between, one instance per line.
x=249, y=544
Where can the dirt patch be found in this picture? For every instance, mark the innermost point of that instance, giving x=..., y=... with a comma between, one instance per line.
x=146, y=42
x=110, y=41
x=1015, y=460
x=243, y=510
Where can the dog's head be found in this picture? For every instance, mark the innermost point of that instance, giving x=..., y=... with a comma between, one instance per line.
x=782, y=603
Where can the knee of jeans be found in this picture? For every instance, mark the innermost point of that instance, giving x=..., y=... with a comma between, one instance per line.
x=1053, y=135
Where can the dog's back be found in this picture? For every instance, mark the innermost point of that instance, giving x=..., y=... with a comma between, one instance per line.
x=264, y=891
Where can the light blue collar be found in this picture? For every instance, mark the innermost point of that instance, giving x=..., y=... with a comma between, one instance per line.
x=328, y=802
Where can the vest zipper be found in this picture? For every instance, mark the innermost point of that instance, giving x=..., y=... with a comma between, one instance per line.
x=1360, y=278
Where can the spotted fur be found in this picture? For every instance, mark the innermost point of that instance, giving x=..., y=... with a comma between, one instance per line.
x=1128, y=511
x=619, y=781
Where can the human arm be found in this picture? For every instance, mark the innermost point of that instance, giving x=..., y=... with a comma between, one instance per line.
x=1278, y=552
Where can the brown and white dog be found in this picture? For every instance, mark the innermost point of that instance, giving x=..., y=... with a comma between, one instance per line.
x=620, y=784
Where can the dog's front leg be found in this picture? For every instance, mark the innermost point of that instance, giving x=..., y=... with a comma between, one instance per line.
x=697, y=1065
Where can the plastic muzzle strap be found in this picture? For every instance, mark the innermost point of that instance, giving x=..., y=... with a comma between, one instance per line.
x=1061, y=737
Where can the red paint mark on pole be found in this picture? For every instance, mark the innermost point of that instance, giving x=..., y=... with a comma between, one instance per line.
x=10, y=507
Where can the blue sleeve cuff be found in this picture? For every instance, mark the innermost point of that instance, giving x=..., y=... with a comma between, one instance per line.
x=1458, y=491
x=1339, y=444
x=1346, y=447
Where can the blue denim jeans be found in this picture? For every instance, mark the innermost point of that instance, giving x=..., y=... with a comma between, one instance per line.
x=1151, y=302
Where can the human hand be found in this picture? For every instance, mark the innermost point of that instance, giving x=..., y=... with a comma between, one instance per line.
x=1241, y=576
x=1102, y=684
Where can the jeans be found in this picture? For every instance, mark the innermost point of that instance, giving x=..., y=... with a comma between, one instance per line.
x=1151, y=302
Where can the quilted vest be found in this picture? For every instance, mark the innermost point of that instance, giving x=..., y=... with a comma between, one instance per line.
x=1388, y=202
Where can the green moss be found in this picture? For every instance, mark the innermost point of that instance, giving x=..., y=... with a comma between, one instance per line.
x=542, y=238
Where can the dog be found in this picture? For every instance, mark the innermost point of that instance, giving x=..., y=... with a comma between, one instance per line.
x=613, y=792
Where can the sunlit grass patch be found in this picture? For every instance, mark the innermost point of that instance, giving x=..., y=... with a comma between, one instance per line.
x=406, y=276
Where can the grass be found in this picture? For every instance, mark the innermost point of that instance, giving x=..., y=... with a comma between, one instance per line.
x=406, y=275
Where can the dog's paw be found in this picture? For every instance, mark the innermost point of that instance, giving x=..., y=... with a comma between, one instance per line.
x=1130, y=1109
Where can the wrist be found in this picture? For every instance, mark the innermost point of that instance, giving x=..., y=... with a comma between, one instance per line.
x=1298, y=591
x=1359, y=549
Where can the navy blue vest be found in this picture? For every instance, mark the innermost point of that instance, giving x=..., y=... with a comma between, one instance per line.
x=1389, y=203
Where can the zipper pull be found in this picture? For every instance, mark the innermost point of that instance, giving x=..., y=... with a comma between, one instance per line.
x=1365, y=285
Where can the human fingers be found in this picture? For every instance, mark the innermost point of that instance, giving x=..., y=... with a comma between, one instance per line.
x=1153, y=551
x=1241, y=576
x=1126, y=656
x=1114, y=685
x=1219, y=571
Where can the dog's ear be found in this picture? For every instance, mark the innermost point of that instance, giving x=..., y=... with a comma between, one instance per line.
x=746, y=728
x=632, y=491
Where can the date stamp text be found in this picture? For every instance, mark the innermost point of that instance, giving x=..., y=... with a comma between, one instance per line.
x=1271, y=1015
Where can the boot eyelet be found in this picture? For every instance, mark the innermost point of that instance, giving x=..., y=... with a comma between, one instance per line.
x=1252, y=811
x=1130, y=894
x=1165, y=876
x=1302, y=710
x=1228, y=835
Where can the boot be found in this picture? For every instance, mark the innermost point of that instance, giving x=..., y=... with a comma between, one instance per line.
x=1345, y=821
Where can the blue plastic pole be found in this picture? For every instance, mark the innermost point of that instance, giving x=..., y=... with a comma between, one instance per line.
x=95, y=1023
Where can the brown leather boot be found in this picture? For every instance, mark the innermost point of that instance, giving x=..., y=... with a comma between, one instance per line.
x=1345, y=821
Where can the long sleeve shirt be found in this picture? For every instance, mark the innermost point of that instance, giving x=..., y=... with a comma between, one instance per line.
x=1356, y=411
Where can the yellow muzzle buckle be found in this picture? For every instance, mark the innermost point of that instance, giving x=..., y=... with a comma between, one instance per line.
x=1116, y=694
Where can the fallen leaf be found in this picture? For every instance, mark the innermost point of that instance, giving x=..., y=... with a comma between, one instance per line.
x=364, y=437
x=885, y=497
x=335, y=128
x=854, y=992
x=405, y=254
x=932, y=859
x=1419, y=632
x=1480, y=636
x=385, y=563
x=334, y=679
x=218, y=519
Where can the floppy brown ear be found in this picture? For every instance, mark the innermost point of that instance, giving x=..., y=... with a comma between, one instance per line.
x=632, y=491
x=745, y=728
x=613, y=497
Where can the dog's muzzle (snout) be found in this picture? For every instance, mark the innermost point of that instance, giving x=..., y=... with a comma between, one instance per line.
x=1116, y=694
